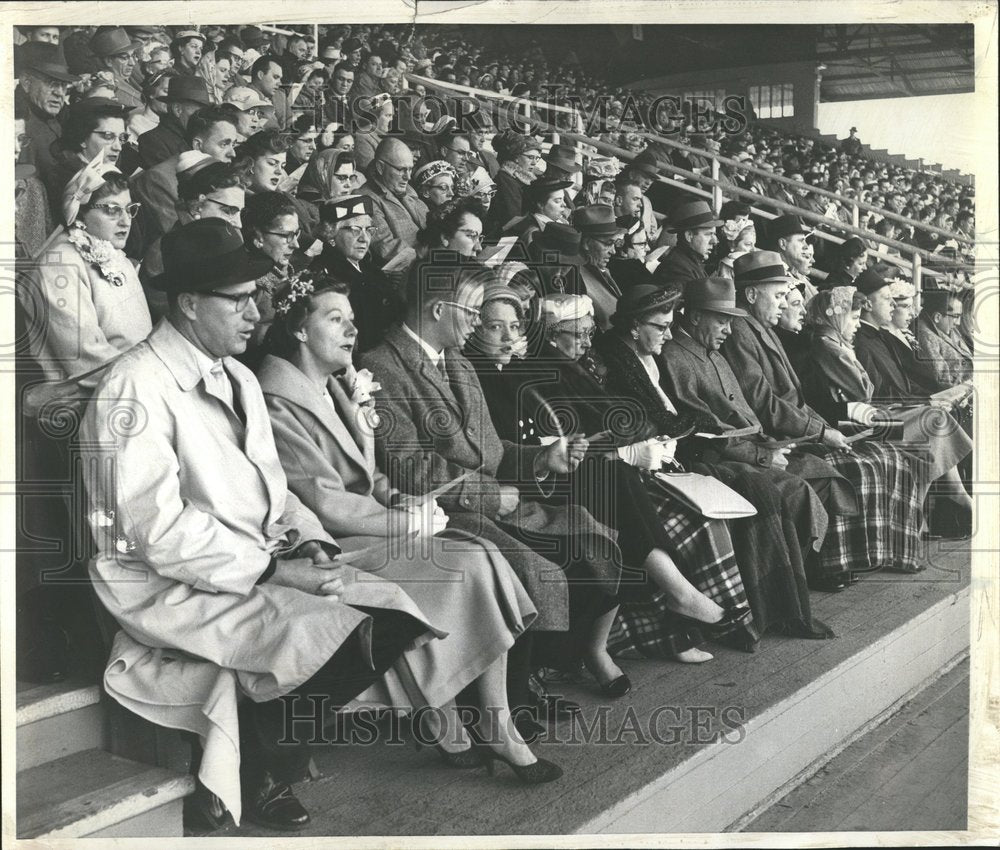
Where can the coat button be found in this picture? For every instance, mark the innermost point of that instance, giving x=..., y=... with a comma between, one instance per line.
x=732, y=396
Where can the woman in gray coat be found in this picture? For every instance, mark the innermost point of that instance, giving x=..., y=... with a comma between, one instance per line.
x=321, y=415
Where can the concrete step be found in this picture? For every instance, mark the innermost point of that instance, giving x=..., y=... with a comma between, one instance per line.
x=716, y=788
x=57, y=720
x=93, y=793
x=907, y=773
x=693, y=748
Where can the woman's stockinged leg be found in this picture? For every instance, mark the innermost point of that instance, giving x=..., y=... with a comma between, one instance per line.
x=495, y=724
x=441, y=724
x=595, y=652
x=682, y=596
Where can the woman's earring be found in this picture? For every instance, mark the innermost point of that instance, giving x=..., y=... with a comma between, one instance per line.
x=635, y=334
x=301, y=336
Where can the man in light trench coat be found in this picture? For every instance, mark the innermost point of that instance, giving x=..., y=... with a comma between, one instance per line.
x=202, y=548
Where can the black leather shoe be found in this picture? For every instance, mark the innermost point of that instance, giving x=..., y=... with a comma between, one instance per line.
x=616, y=688
x=830, y=584
x=814, y=630
x=204, y=812
x=273, y=805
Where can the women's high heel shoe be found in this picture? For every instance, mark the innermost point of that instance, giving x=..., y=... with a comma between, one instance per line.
x=537, y=773
x=468, y=759
x=732, y=618
x=615, y=688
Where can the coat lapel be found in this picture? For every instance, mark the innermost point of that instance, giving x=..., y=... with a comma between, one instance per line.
x=280, y=378
x=357, y=441
x=411, y=352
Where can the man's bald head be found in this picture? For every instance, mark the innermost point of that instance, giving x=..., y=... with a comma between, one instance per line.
x=393, y=165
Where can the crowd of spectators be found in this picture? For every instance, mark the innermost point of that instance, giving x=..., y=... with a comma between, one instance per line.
x=312, y=323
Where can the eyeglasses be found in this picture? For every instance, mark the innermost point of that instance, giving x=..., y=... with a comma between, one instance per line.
x=116, y=210
x=472, y=311
x=661, y=328
x=342, y=177
x=446, y=186
x=290, y=236
x=532, y=158
x=464, y=154
x=240, y=302
x=953, y=315
x=108, y=136
x=402, y=169
x=471, y=234
x=611, y=243
x=580, y=336
x=486, y=193
x=125, y=57
x=226, y=208
x=356, y=230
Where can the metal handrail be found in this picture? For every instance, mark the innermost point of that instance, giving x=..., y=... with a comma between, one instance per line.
x=778, y=178
x=917, y=255
x=816, y=190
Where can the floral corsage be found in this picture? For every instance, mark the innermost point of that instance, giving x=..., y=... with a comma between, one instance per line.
x=362, y=386
x=112, y=264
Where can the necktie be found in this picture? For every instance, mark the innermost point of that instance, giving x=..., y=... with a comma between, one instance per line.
x=226, y=389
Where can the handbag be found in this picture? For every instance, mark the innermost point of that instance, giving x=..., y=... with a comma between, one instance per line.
x=705, y=495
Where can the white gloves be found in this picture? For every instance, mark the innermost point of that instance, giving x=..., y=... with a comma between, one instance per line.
x=649, y=454
x=859, y=411
x=426, y=518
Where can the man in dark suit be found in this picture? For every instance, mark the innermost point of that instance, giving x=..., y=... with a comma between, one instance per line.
x=437, y=427
x=694, y=223
x=338, y=105
x=880, y=352
x=185, y=96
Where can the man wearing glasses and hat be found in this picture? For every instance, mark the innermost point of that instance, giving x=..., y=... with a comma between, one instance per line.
x=40, y=96
x=601, y=234
x=185, y=96
x=117, y=51
x=235, y=572
x=695, y=224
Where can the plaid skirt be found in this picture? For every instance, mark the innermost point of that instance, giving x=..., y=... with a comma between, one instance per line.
x=703, y=552
x=885, y=531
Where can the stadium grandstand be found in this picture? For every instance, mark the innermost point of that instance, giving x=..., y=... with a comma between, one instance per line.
x=303, y=303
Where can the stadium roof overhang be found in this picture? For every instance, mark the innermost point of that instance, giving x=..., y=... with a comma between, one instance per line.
x=855, y=61
x=868, y=61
